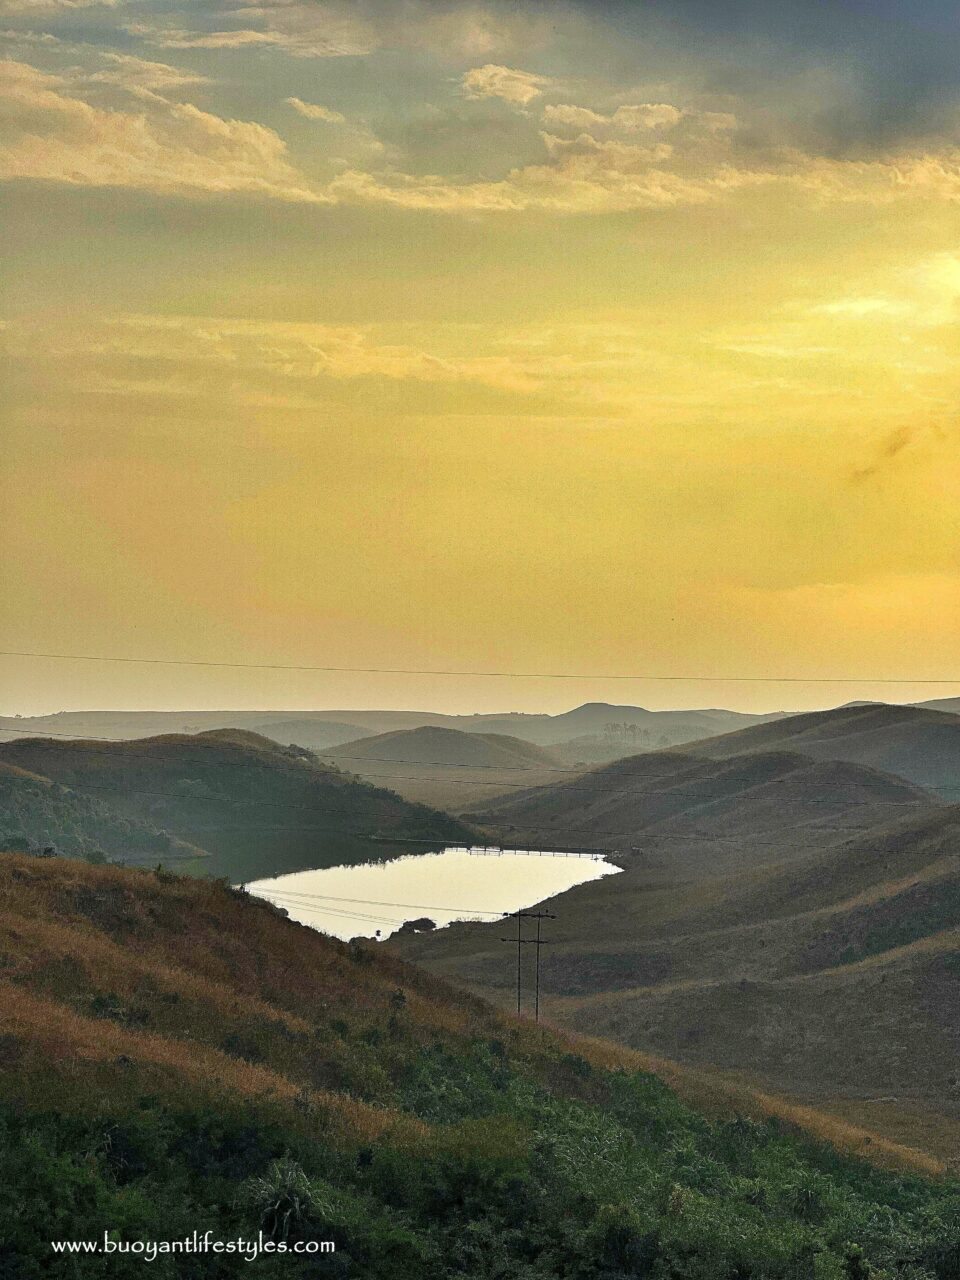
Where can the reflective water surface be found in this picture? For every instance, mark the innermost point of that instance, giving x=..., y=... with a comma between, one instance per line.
x=378, y=897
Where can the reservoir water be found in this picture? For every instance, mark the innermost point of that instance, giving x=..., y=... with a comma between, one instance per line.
x=376, y=898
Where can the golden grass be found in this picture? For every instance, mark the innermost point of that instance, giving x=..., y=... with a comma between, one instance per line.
x=721, y=1094
x=68, y=930
x=62, y=1042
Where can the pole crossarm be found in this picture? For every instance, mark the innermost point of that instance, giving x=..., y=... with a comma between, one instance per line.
x=522, y=942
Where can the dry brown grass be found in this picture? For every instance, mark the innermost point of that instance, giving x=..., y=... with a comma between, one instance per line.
x=722, y=1094
x=233, y=964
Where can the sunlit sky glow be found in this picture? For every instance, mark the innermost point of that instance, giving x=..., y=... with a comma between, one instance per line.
x=570, y=337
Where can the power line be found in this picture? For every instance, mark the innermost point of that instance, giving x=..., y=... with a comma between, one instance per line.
x=375, y=902
x=499, y=675
x=333, y=911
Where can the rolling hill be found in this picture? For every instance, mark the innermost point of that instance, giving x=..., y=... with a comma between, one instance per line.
x=254, y=807
x=446, y=767
x=119, y=725
x=605, y=731
x=177, y=1057
x=951, y=705
x=685, y=811
x=918, y=743
x=826, y=968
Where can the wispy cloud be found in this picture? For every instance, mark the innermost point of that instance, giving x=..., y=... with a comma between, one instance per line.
x=925, y=295
x=139, y=76
x=645, y=115
x=491, y=81
x=29, y=7
x=313, y=111
x=172, y=148
x=300, y=30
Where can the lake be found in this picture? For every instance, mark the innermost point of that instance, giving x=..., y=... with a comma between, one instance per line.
x=376, y=898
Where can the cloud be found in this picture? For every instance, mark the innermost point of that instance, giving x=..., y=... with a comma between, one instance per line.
x=629, y=117
x=301, y=30
x=639, y=117
x=926, y=295
x=491, y=81
x=172, y=148
x=586, y=175
x=178, y=38
x=579, y=369
x=138, y=76
x=54, y=134
x=313, y=111
x=861, y=308
x=580, y=176
x=29, y=7
x=30, y=37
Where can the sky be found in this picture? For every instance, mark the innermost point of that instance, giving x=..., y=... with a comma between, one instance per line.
x=587, y=338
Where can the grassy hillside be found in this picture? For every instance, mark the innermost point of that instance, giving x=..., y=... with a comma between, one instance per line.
x=255, y=807
x=38, y=813
x=918, y=743
x=682, y=810
x=446, y=767
x=830, y=972
x=177, y=1056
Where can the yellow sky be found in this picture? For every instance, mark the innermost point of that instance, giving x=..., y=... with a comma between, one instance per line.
x=525, y=368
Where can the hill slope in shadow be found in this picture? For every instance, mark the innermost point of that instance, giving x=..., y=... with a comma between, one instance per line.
x=918, y=743
x=255, y=807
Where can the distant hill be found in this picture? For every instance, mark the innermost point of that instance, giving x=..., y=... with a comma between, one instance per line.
x=951, y=705
x=683, y=810
x=177, y=1057
x=257, y=808
x=315, y=734
x=602, y=730
x=621, y=729
x=309, y=728
x=446, y=767
x=916, y=742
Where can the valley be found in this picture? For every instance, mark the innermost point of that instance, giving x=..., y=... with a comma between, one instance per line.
x=784, y=917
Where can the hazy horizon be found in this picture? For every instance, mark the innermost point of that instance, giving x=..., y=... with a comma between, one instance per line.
x=507, y=705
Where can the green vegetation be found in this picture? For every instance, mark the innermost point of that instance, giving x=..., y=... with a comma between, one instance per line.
x=311, y=1090
x=254, y=807
x=36, y=813
x=586, y=1174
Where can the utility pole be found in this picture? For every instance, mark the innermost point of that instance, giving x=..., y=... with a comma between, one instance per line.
x=537, y=942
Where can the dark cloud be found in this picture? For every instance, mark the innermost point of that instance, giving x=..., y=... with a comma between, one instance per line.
x=893, y=69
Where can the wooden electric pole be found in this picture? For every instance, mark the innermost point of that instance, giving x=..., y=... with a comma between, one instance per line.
x=521, y=942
